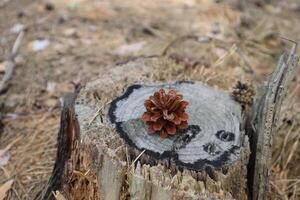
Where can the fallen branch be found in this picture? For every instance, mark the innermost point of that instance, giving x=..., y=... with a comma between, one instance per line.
x=10, y=63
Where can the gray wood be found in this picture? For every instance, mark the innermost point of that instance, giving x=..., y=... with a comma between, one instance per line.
x=212, y=139
x=266, y=112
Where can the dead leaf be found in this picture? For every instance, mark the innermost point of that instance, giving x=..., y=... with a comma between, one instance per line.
x=4, y=157
x=129, y=48
x=17, y=28
x=51, y=102
x=58, y=195
x=2, y=67
x=4, y=188
x=51, y=86
x=39, y=45
x=70, y=32
x=4, y=154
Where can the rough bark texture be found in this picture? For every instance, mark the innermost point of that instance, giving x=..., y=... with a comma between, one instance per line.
x=73, y=158
x=265, y=115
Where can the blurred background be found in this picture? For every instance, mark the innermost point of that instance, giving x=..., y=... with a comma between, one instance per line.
x=65, y=41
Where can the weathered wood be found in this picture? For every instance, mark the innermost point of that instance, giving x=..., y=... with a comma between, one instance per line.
x=264, y=119
x=211, y=140
x=105, y=152
x=168, y=177
x=68, y=136
x=70, y=159
x=104, y=165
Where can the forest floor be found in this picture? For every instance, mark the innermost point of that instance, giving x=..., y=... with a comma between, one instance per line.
x=68, y=41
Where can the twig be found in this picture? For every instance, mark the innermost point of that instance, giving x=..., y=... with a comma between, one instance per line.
x=10, y=63
x=280, y=192
x=229, y=53
x=200, y=39
x=98, y=112
x=293, y=149
x=132, y=164
x=285, y=141
x=248, y=67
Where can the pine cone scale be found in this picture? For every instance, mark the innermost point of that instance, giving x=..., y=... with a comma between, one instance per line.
x=150, y=127
x=183, y=125
x=146, y=116
x=171, y=129
x=155, y=117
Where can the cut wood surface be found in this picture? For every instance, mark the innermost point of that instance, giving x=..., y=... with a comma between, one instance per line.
x=211, y=140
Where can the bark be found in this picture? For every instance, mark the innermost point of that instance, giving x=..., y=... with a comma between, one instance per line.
x=264, y=118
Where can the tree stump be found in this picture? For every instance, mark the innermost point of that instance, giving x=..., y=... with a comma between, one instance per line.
x=105, y=151
x=119, y=159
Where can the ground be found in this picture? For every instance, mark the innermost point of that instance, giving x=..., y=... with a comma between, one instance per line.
x=75, y=40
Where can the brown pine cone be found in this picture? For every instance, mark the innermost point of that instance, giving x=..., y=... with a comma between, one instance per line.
x=243, y=93
x=165, y=113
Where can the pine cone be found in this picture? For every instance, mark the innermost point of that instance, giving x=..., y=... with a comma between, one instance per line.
x=243, y=93
x=165, y=113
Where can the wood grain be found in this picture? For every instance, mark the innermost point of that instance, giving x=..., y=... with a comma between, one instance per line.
x=212, y=139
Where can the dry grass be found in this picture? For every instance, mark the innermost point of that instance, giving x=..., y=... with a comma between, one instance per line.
x=245, y=47
x=31, y=141
x=286, y=153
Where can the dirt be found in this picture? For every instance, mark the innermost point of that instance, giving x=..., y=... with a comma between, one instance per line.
x=86, y=37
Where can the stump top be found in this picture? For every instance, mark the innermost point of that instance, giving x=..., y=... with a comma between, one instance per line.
x=213, y=137
x=214, y=117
